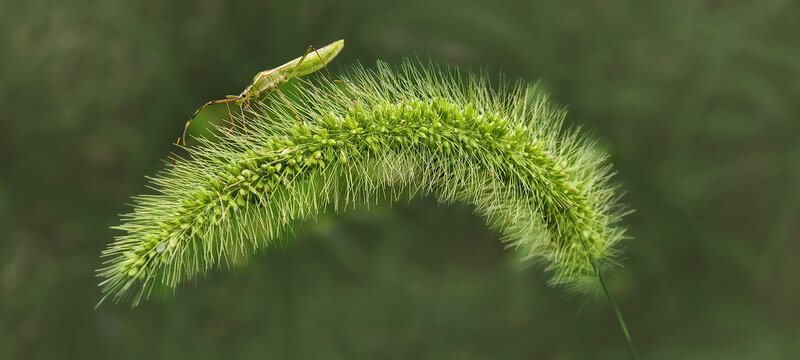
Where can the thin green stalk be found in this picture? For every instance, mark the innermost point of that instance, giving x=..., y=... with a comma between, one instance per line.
x=621, y=321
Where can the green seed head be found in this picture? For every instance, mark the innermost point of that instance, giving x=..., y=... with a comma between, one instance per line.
x=416, y=130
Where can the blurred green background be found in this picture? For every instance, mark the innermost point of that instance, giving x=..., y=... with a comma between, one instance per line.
x=697, y=102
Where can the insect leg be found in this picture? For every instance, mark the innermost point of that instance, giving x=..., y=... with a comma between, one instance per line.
x=230, y=117
x=182, y=138
x=244, y=106
x=312, y=48
x=326, y=66
x=288, y=104
x=244, y=124
x=308, y=51
x=294, y=70
x=322, y=91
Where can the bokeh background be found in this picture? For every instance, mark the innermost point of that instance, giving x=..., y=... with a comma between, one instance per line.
x=697, y=101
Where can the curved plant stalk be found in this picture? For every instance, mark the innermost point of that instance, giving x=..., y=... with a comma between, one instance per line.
x=384, y=135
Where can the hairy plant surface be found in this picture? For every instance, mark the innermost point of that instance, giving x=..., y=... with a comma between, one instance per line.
x=384, y=135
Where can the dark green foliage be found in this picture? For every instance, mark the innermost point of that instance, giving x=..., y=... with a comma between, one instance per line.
x=696, y=102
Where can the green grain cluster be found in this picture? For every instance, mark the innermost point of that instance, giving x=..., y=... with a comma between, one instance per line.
x=384, y=135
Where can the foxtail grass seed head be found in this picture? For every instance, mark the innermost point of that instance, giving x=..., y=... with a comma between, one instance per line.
x=417, y=130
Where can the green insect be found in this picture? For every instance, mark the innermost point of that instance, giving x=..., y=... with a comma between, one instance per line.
x=270, y=79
